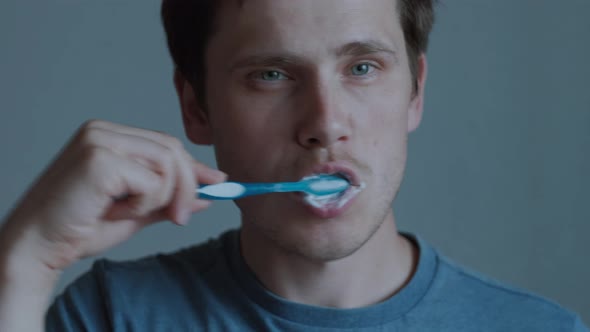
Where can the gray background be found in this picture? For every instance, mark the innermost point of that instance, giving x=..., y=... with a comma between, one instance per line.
x=497, y=176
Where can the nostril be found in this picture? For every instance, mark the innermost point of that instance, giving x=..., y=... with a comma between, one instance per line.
x=313, y=141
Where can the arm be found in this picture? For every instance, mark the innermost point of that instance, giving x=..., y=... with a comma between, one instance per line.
x=25, y=286
x=108, y=183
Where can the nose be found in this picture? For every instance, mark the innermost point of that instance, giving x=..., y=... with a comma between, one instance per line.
x=325, y=120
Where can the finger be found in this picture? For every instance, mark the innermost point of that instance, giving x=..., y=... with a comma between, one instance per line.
x=156, y=136
x=150, y=154
x=144, y=188
x=184, y=182
x=189, y=171
x=206, y=174
x=197, y=205
x=209, y=174
x=185, y=189
x=200, y=205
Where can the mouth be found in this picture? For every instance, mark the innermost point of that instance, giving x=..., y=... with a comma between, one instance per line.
x=330, y=206
x=338, y=169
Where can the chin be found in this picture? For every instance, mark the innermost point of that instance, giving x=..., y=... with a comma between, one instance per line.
x=297, y=231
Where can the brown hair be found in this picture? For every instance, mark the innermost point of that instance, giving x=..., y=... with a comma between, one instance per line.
x=190, y=23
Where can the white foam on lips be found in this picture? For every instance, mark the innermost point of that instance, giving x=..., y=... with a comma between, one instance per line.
x=341, y=198
x=226, y=189
x=332, y=184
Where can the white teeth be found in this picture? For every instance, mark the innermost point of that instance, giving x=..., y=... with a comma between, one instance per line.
x=339, y=199
x=342, y=175
x=338, y=174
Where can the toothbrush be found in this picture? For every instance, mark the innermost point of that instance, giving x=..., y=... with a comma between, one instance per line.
x=320, y=185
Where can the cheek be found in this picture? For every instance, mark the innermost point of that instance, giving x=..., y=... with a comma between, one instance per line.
x=386, y=128
x=251, y=115
x=386, y=120
x=250, y=137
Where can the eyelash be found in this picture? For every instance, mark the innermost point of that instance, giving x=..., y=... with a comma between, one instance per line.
x=258, y=74
x=371, y=71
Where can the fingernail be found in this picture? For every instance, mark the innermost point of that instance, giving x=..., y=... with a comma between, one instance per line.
x=220, y=174
x=185, y=217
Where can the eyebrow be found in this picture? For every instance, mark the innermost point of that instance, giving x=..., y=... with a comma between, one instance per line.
x=267, y=60
x=358, y=48
x=353, y=49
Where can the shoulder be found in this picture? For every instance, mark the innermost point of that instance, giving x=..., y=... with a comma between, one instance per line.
x=157, y=288
x=187, y=268
x=494, y=303
x=199, y=259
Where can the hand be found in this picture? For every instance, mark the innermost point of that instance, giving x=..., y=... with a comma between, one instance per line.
x=108, y=182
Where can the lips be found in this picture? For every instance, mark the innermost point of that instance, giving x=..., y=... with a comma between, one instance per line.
x=333, y=208
x=340, y=168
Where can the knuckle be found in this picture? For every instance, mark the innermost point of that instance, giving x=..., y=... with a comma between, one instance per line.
x=173, y=143
x=158, y=197
x=89, y=136
x=139, y=207
x=96, y=163
x=91, y=124
x=167, y=162
x=162, y=201
x=95, y=156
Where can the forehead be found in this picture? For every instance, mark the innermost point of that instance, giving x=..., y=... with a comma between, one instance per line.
x=306, y=26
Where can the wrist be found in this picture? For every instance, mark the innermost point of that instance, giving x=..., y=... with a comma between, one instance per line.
x=21, y=257
x=25, y=286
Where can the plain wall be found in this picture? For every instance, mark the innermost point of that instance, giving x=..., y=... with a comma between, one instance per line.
x=497, y=174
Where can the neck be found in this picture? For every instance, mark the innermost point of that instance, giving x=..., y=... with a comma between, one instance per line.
x=373, y=273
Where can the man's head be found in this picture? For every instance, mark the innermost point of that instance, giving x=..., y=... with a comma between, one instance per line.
x=297, y=88
x=189, y=25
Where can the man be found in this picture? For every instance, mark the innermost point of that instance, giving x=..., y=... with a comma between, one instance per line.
x=283, y=90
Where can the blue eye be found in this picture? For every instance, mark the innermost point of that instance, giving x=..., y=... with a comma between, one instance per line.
x=361, y=69
x=272, y=75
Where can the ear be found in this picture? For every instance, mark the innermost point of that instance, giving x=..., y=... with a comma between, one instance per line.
x=417, y=103
x=194, y=117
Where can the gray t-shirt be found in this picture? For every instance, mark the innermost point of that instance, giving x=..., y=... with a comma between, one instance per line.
x=209, y=288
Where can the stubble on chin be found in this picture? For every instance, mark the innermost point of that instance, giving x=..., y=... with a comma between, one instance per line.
x=318, y=243
x=325, y=241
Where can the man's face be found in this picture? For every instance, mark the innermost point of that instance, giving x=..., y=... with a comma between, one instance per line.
x=297, y=88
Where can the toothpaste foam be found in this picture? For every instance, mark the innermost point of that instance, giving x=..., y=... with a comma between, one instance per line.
x=339, y=199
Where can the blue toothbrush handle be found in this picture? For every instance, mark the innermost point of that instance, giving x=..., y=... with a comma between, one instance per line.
x=213, y=198
x=257, y=189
